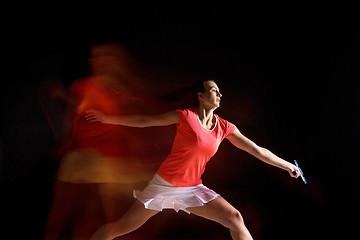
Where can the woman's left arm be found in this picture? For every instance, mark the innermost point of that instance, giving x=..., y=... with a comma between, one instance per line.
x=241, y=142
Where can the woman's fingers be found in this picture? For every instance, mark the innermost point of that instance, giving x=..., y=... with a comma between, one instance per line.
x=92, y=119
x=295, y=174
x=294, y=171
x=91, y=116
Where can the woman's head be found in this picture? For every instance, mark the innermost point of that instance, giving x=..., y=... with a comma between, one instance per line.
x=206, y=93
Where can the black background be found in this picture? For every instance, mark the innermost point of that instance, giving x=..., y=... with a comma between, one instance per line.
x=297, y=83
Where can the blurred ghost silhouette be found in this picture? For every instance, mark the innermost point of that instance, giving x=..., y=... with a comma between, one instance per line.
x=99, y=163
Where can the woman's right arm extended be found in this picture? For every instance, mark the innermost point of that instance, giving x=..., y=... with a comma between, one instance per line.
x=134, y=120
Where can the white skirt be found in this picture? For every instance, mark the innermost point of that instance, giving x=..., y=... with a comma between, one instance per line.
x=159, y=195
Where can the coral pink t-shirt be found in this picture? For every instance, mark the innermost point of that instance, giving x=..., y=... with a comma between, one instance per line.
x=193, y=147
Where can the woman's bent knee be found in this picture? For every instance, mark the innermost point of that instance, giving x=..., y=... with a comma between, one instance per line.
x=235, y=221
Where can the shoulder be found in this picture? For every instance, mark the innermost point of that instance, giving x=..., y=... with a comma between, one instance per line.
x=186, y=111
x=221, y=121
x=225, y=125
x=186, y=115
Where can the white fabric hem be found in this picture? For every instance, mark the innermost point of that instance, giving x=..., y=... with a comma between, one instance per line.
x=159, y=195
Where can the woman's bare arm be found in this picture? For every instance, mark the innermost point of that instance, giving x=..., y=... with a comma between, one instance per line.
x=241, y=142
x=140, y=121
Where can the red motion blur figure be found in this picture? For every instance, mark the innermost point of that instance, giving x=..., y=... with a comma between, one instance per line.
x=97, y=168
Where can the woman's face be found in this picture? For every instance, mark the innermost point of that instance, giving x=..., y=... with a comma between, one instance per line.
x=211, y=97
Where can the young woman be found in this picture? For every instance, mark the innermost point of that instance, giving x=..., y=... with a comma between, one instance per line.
x=177, y=183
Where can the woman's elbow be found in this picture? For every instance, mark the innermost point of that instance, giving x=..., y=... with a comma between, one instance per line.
x=259, y=152
x=137, y=121
x=147, y=121
x=143, y=123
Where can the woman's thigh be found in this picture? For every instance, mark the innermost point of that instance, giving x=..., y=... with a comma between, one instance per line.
x=218, y=210
x=137, y=214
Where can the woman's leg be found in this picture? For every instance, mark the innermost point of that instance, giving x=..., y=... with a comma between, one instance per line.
x=134, y=218
x=219, y=210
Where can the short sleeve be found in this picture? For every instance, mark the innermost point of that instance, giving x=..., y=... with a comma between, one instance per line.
x=182, y=114
x=229, y=129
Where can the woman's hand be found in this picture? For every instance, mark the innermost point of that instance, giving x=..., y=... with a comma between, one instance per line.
x=95, y=116
x=293, y=170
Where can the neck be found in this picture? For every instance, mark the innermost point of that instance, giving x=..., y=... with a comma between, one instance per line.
x=206, y=116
